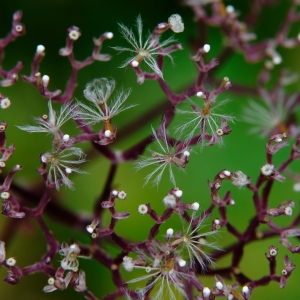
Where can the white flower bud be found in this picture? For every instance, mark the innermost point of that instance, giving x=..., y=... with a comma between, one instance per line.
x=227, y=173
x=217, y=185
x=277, y=59
x=19, y=28
x=267, y=169
x=74, y=35
x=288, y=211
x=68, y=170
x=169, y=201
x=143, y=209
x=273, y=251
x=239, y=179
x=114, y=193
x=195, y=206
x=206, y=292
x=230, y=297
x=178, y=193
x=89, y=229
x=108, y=133
x=245, y=290
x=170, y=232
x=296, y=187
x=128, y=263
x=5, y=195
x=40, y=49
x=135, y=63
x=11, y=262
x=5, y=103
x=109, y=35
x=231, y=202
x=75, y=248
x=186, y=153
x=51, y=281
x=229, y=9
x=206, y=48
x=284, y=272
x=217, y=221
x=219, y=285
x=66, y=138
x=45, y=80
x=181, y=263
x=122, y=195
x=219, y=132
x=2, y=164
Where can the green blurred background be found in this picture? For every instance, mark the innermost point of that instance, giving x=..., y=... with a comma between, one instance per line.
x=46, y=23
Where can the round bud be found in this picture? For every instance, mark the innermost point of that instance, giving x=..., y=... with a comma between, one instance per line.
x=45, y=80
x=245, y=289
x=135, y=63
x=206, y=292
x=122, y=195
x=143, y=209
x=107, y=133
x=181, y=262
x=66, y=138
x=114, y=193
x=170, y=232
x=5, y=103
x=68, y=170
x=40, y=49
x=219, y=285
x=11, y=262
x=206, y=48
x=186, y=153
x=109, y=35
x=195, y=206
x=178, y=193
x=227, y=173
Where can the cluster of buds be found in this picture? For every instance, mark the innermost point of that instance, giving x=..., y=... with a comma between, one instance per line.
x=115, y=216
x=74, y=279
x=285, y=208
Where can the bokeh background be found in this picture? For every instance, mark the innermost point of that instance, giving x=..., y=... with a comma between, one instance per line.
x=46, y=23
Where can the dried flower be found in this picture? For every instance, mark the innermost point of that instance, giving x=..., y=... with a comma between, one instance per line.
x=165, y=157
x=270, y=116
x=98, y=92
x=175, y=23
x=239, y=179
x=61, y=166
x=194, y=243
x=203, y=120
x=143, y=50
x=52, y=123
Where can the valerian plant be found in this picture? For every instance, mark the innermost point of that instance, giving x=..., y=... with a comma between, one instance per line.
x=172, y=263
